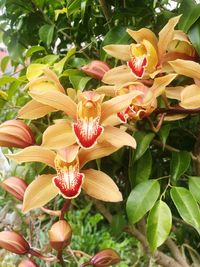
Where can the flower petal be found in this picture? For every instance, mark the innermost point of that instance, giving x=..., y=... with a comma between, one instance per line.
x=34, y=110
x=175, y=117
x=119, y=75
x=137, y=65
x=39, y=192
x=68, y=154
x=117, y=137
x=100, y=150
x=116, y=104
x=34, y=154
x=174, y=92
x=52, y=76
x=56, y=100
x=160, y=84
x=143, y=34
x=166, y=35
x=99, y=185
x=118, y=51
x=186, y=67
x=58, y=136
x=190, y=97
x=108, y=90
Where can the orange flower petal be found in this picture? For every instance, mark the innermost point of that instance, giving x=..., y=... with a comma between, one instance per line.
x=99, y=185
x=34, y=110
x=117, y=137
x=39, y=192
x=190, y=97
x=108, y=90
x=160, y=83
x=58, y=136
x=56, y=100
x=100, y=150
x=118, y=51
x=52, y=76
x=174, y=92
x=186, y=67
x=34, y=154
x=69, y=153
x=166, y=35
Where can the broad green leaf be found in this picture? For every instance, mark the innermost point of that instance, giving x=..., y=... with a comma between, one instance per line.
x=77, y=78
x=49, y=59
x=34, y=70
x=186, y=206
x=33, y=50
x=117, y=35
x=164, y=133
x=75, y=6
x=194, y=186
x=46, y=33
x=194, y=35
x=117, y=224
x=58, y=67
x=15, y=50
x=190, y=13
x=4, y=63
x=179, y=164
x=140, y=173
x=143, y=141
x=141, y=200
x=6, y=79
x=159, y=224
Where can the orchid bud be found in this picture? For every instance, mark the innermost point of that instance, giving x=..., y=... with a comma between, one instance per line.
x=60, y=235
x=15, y=186
x=27, y=263
x=96, y=69
x=15, y=133
x=105, y=258
x=14, y=242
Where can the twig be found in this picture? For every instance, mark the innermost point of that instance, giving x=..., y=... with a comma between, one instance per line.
x=103, y=210
x=106, y=10
x=60, y=258
x=65, y=208
x=175, y=111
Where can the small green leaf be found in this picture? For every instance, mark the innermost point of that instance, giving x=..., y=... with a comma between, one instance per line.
x=186, y=206
x=4, y=63
x=194, y=186
x=141, y=200
x=33, y=50
x=164, y=133
x=117, y=224
x=7, y=79
x=143, y=140
x=77, y=78
x=179, y=164
x=46, y=33
x=49, y=59
x=158, y=224
x=194, y=35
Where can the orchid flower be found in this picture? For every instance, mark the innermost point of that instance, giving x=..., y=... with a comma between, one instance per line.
x=149, y=55
x=89, y=117
x=142, y=105
x=69, y=177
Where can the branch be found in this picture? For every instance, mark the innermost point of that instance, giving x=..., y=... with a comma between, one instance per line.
x=178, y=110
x=105, y=9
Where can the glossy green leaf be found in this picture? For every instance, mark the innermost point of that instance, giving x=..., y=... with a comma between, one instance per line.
x=194, y=35
x=194, y=186
x=117, y=224
x=4, y=63
x=141, y=199
x=143, y=140
x=186, y=206
x=33, y=50
x=158, y=224
x=164, y=133
x=179, y=164
x=46, y=33
x=139, y=174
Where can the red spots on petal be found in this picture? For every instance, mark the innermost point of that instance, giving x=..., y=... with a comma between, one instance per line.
x=137, y=65
x=87, y=131
x=69, y=182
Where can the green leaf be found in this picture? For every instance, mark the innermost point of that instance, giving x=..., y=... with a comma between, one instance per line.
x=190, y=13
x=143, y=140
x=141, y=200
x=117, y=224
x=117, y=35
x=194, y=186
x=4, y=62
x=140, y=173
x=34, y=70
x=58, y=67
x=7, y=79
x=194, y=35
x=33, y=50
x=186, y=206
x=46, y=33
x=49, y=59
x=179, y=164
x=164, y=133
x=159, y=224
x=75, y=6
x=77, y=78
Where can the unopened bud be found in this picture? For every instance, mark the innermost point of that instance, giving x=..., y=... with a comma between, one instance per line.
x=105, y=258
x=60, y=235
x=15, y=186
x=96, y=69
x=14, y=242
x=15, y=133
x=27, y=263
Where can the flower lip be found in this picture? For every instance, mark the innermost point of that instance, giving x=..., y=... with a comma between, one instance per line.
x=137, y=65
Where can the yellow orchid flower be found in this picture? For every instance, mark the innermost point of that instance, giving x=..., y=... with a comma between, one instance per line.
x=149, y=55
x=142, y=105
x=69, y=178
